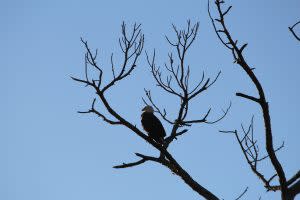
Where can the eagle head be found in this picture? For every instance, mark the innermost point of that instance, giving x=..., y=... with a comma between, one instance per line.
x=148, y=109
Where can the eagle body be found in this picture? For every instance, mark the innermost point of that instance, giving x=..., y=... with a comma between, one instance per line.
x=153, y=126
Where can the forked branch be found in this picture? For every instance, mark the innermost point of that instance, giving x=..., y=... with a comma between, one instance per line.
x=291, y=28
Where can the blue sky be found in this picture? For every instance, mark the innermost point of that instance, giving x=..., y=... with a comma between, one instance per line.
x=48, y=151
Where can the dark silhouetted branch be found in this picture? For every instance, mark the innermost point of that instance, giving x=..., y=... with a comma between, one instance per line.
x=204, y=119
x=293, y=32
x=244, y=192
x=174, y=136
x=141, y=161
x=126, y=165
x=247, y=97
x=225, y=112
x=93, y=110
x=238, y=56
x=294, y=190
x=294, y=178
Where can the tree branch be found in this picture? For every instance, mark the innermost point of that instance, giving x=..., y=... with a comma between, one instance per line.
x=293, y=32
x=244, y=192
x=248, y=97
x=240, y=60
x=294, y=190
x=294, y=178
x=93, y=110
x=126, y=165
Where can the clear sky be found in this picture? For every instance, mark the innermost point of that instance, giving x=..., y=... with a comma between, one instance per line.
x=49, y=152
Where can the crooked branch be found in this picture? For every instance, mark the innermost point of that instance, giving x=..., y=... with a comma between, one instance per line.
x=237, y=53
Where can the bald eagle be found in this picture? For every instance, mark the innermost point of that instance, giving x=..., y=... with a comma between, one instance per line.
x=152, y=125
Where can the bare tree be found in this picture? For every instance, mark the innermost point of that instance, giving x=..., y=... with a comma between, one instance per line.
x=293, y=31
x=288, y=188
x=174, y=78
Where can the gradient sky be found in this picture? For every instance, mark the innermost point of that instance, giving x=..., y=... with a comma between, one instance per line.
x=49, y=152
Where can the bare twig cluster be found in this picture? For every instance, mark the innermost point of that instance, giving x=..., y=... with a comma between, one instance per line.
x=288, y=191
x=251, y=151
x=176, y=81
x=291, y=28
